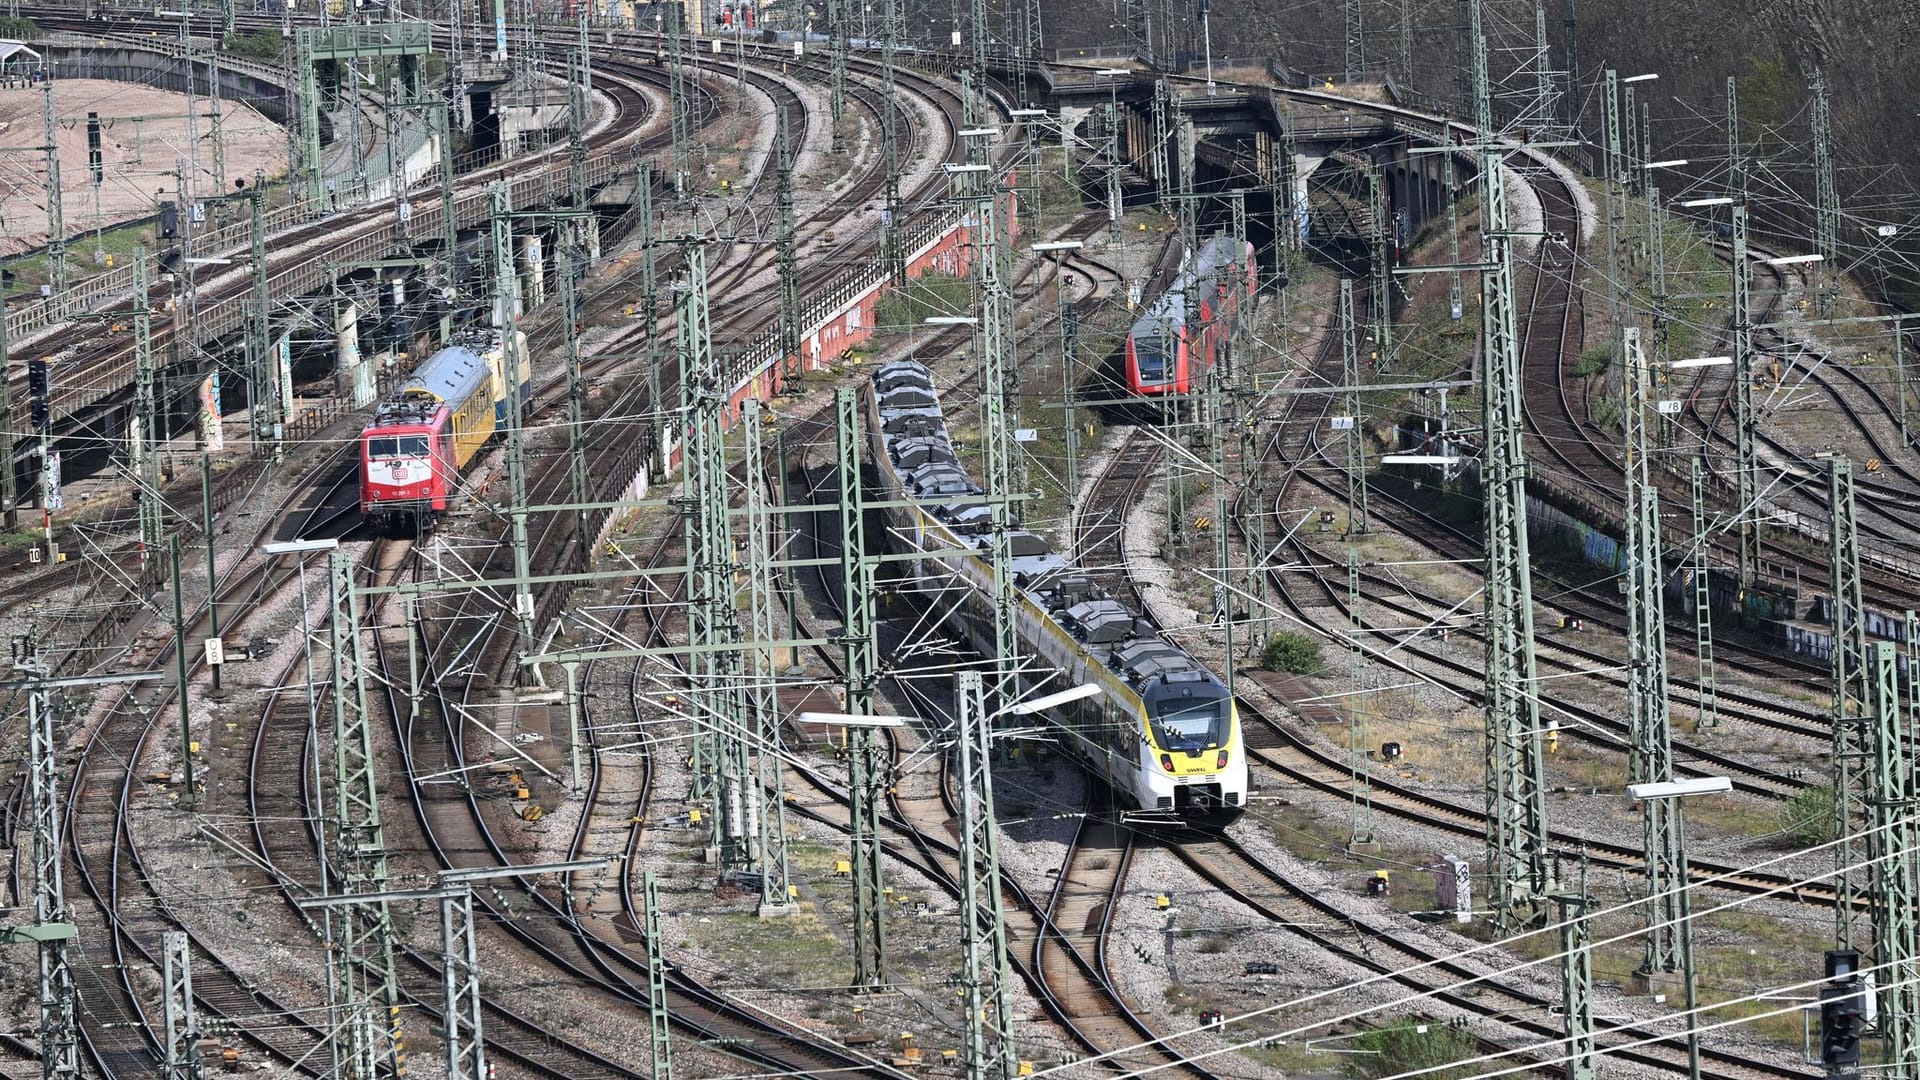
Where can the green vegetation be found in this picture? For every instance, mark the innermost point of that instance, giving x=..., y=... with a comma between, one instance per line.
x=1294, y=653
x=930, y=294
x=259, y=45
x=1413, y=1048
x=121, y=244
x=1807, y=818
x=1771, y=93
x=1596, y=360
x=18, y=28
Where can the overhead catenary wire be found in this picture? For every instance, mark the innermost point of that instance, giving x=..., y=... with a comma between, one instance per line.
x=1494, y=947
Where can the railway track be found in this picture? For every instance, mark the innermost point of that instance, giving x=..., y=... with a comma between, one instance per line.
x=124, y=743
x=1063, y=967
x=1433, y=975
x=1289, y=449
x=121, y=905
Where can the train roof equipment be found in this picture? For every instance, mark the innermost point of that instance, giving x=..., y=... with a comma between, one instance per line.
x=1122, y=639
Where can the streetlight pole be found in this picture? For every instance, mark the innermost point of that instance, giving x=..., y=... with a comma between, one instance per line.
x=1657, y=793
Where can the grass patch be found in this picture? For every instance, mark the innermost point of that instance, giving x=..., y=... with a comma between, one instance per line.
x=87, y=255
x=906, y=309
x=1411, y=1047
x=1807, y=819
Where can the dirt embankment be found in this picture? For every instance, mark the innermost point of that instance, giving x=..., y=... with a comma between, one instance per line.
x=144, y=138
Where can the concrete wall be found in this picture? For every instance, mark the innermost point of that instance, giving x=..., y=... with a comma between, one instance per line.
x=126, y=63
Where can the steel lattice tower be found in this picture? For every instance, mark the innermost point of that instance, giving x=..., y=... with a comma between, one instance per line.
x=649, y=323
x=577, y=479
x=364, y=932
x=1615, y=179
x=1896, y=907
x=657, y=981
x=1515, y=778
x=9, y=476
x=144, y=447
x=1736, y=150
x=1380, y=248
x=1746, y=458
x=787, y=254
x=680, y=90
x=178, y=1019
x=1709, y=712
x=997, y=359
x=1355, y=37
x=892, y=29
x=463, y=1008
x=506, y=316
x=1576, y=985
x=1649, y=721
x=1852, y=737
x=56, y=223
x=767, y=808
x=837, y=47
x=1826, y=234
x=59, y=1019
x=985, y=976
x=712, y=618
x=866, y=766
x=1356, y=448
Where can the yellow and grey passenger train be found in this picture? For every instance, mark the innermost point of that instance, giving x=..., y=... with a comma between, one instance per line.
x=1163, y=733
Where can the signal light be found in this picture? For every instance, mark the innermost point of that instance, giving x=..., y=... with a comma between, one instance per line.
x=1841, y=1010
x=94, y=167
x=1839, y=1025
x=39, y=386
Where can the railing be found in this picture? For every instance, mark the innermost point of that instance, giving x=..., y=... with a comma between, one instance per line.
x=763, y=351
x=1092, y=52
x=164, y=46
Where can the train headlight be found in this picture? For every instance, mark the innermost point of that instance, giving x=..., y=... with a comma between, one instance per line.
x=1166, y=762
x=1221, y=761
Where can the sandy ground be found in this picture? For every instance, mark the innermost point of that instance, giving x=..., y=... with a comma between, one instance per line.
x=144, y=134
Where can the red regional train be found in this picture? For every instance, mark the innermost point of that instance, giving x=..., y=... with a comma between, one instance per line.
x=1164, y=356
x=431, y=426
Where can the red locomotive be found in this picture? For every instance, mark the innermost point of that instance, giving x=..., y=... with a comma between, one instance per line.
x=431, y=427
x=1163, y=355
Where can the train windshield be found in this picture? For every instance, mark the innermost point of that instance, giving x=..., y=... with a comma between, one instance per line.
x=1153, y=362
x=405, y=446
x=1190, y=723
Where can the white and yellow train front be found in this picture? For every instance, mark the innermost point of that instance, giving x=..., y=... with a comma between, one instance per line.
x=1164, y=733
